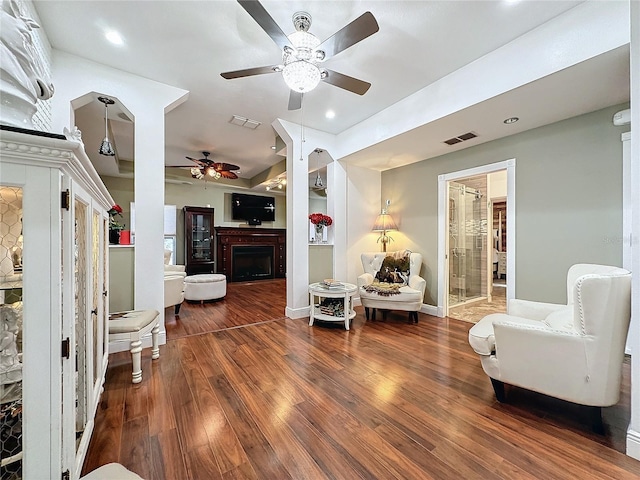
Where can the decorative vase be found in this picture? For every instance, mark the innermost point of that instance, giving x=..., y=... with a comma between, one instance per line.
x=114, y=237
x=319, y=232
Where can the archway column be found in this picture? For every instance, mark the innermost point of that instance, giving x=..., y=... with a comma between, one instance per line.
x=148, y=102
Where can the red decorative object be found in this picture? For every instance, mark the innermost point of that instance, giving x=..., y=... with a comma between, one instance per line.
x=320, y=219
x=116, y=209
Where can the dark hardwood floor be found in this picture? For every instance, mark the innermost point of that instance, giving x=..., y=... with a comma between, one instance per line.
x=264, y=397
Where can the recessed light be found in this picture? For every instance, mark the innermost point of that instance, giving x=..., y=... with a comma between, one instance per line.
x=330, y=114
x=511, y=120
x=273, y=147
x=114, y=37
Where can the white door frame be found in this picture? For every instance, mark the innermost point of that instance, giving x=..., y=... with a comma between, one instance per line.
x=443, y=267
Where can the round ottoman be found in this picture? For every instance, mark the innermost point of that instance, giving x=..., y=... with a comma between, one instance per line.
x=203, y=287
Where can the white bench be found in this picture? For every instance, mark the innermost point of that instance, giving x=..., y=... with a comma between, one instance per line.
x=132, y=326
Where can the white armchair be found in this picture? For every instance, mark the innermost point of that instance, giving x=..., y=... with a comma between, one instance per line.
x=172, y=270
x=173, y=292
x=409, y=297
x=573, y=352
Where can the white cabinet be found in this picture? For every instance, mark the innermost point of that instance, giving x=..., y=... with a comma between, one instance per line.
x=53, y=231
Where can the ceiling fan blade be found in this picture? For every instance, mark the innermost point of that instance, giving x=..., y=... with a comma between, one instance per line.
x=295, y=100
x=227, y=174
x=268, y=24
x=346, y=82
x=226, y=167
x=362, y=27
x=249, y=72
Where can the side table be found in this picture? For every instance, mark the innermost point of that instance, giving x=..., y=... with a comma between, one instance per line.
x=344, y=291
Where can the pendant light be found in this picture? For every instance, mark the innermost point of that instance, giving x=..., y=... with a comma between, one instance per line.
x=318, y=183
x=105, y=147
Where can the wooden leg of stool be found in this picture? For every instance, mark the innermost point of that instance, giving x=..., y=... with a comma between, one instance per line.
x=366, y=312
x=136, y=349
x=155, y=351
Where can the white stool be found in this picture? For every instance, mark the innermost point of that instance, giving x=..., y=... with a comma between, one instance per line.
x=133, y=326
x=205, y=287
x=111, y=471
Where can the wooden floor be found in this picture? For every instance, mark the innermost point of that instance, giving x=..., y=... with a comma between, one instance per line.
x=277, y=399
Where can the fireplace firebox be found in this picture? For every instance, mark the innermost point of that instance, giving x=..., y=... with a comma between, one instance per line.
x=254, y=262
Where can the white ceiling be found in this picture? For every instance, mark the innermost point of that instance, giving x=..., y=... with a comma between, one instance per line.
x=188, y=44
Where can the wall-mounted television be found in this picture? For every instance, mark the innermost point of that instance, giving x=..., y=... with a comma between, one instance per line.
x=254, y=209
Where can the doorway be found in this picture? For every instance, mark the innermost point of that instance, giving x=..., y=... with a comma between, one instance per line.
x=475, y=272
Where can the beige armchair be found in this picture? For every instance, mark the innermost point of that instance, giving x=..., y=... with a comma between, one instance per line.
x=573, y=352
x=407, y=296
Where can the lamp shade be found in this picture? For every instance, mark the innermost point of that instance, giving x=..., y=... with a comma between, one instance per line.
x=383, y=223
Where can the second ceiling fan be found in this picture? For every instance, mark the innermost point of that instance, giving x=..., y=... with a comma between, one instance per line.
x=207, y=167
x=303, y=53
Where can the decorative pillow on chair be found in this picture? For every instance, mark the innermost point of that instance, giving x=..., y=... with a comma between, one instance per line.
x=395, y=268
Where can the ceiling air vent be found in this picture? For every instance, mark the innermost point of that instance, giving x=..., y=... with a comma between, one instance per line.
x=244, y=122
x=460, y=138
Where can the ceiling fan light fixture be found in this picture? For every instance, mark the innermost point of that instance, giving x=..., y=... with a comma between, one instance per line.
x=301, y=76
x=300, y=71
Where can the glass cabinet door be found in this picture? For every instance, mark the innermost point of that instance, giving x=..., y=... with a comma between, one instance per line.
x=201, y=237
x=11, y=410
x=198, y=239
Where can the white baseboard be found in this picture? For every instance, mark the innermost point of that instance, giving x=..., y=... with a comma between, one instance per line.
x=431, y=310
x=296, y=312
x=633, y=444
x=125, y=346
x=356, y=302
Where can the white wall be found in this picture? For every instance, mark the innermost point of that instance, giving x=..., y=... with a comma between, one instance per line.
x=633, y=434
x=363, y=206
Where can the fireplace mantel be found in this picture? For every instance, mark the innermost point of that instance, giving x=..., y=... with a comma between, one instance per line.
x=229, y=237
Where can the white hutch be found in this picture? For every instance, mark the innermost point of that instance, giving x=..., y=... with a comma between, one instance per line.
x=53, y=302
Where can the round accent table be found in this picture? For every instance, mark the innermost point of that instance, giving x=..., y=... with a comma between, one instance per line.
x=329, y=311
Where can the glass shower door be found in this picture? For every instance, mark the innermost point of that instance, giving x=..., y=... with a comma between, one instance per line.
x=467, y=243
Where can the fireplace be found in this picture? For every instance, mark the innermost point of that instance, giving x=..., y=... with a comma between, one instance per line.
x=252, y=262
x=244, y=254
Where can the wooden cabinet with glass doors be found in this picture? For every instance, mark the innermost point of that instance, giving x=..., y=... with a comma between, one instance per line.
x=53, y=304
x=198, y=240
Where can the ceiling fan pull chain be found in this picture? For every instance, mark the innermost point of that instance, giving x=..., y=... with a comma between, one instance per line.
x=302, y=139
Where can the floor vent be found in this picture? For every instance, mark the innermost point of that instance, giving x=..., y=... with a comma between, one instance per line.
x=460, y=138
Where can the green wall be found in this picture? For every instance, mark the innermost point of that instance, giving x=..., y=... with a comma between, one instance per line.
x=568, y=200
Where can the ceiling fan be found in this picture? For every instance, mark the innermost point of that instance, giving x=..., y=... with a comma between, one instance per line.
x=207, y=167
x=303, y=53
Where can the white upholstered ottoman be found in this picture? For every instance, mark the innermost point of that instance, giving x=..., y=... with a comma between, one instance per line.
x=203, y=287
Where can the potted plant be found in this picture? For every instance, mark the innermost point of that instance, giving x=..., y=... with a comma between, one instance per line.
x=114, y=226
